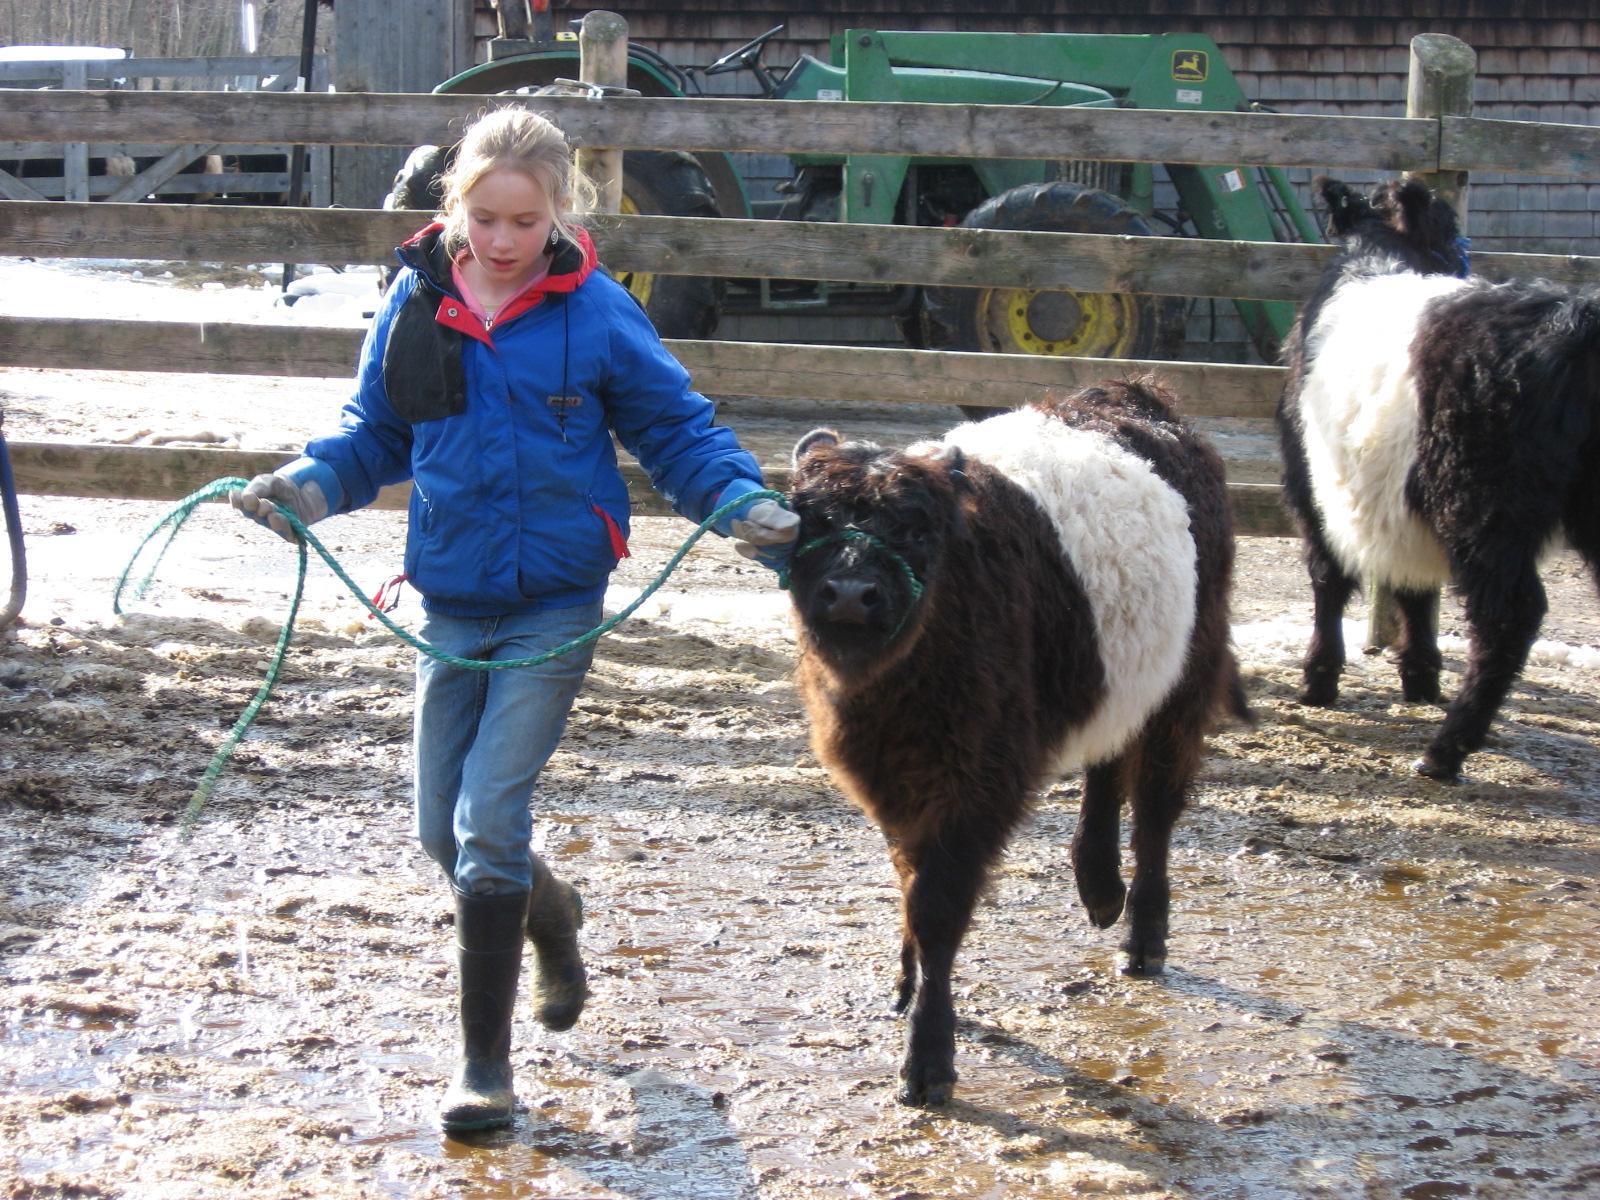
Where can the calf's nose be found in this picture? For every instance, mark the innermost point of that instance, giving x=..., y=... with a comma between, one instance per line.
x=850, y=601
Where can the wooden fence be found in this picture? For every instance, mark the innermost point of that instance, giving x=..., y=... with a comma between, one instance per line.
x=784, y=250
x=69, y=167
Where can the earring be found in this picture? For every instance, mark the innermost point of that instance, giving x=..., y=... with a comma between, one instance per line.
x=555, y=240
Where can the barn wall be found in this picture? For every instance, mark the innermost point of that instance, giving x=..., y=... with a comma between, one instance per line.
x=377, y=48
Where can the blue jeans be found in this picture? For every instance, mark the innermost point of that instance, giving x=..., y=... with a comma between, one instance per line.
x=480, y=739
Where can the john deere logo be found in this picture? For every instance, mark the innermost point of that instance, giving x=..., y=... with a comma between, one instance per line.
x=1189, y=66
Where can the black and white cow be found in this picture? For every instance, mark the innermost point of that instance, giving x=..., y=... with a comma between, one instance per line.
x=1436, y=428
x=1037, y=592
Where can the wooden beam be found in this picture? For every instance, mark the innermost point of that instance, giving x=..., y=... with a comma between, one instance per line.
x=695, y=246
x=771, y=370
x=71, y=343
x=1518, y=147
x=733, y=248
x=75, y=153
x=258, y=182
x=1258, y=510
x=205, y=233
x=13, y=188
x=355, y=118
x=922, y=376
x=173, y=472
x=156, y=68
x=603, y=62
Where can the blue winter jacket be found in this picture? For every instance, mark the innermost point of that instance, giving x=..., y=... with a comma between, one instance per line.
x=506, y=433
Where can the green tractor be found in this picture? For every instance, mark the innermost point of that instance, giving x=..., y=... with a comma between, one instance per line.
x=1168, y=71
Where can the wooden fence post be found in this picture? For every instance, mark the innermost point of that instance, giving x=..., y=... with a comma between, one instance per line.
x=1439, y=84
x=75, y=155
x=603, y=59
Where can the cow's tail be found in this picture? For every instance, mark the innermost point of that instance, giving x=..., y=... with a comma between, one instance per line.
x=1237, y=702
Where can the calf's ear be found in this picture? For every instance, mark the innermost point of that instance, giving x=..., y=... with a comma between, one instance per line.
x=1346, y=206
x=817, y=439
x=1423, y=217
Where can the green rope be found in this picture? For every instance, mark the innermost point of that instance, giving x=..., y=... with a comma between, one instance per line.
x=173, y=521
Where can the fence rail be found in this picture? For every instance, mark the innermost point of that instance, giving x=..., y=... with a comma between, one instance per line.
x=719, y=368
x=814, y=127
x=729, y=247
x=171, y=472
x=230, y=66
x=832, y=127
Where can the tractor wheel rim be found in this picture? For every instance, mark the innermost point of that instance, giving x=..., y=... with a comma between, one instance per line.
x=639, y=284
x=1053, y=322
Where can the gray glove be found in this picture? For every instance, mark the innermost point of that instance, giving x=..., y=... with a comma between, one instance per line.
x=304, y=499
x=766, y=532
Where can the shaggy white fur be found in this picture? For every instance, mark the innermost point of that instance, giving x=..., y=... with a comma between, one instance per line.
x=1126, y=533
x=1359, y=407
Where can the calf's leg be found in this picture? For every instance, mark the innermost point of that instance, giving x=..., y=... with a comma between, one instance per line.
x=1505, y=604
x=1096, y=850
x=1331, y=586
x=1164, y=769
x=948, y=873
x=1418, y=653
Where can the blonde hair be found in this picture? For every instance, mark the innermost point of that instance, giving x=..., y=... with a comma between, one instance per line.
x=522, y=140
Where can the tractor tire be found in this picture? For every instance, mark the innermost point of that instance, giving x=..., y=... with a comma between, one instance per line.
x=1034, y=321
x=666, y=183
x=670, y=183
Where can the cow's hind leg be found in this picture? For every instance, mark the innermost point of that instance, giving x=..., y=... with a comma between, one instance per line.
x=1331, y=587
x=1096, y=844
x=1163, y=770
x=949, y=870
x=1505, y=604
x=1418, y=652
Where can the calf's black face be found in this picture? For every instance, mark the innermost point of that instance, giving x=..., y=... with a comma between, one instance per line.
x=873, y=527
x=1401, y=216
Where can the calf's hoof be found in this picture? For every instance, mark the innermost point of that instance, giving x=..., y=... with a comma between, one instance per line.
x=1103, y=899
x=1142, y=958
x=1321, y=691
x=925, y=1087
x=1435, y=768
x=1420, y=689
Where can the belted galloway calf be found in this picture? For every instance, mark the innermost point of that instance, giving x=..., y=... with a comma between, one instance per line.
x=1437, y=428
x=1040, y=591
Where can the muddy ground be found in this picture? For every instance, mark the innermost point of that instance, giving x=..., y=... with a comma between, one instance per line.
x=1379, y=986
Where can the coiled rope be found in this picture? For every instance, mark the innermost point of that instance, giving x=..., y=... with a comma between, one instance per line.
x=180, y=512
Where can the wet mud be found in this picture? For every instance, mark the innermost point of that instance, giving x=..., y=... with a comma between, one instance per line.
x=1379, y=986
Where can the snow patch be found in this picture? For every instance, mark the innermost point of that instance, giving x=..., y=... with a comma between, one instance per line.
x=1288, y=637
x=745, y=610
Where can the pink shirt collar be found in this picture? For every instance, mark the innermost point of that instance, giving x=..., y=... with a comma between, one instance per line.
x=474, y=305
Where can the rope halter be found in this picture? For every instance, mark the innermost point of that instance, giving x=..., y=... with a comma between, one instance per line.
x=913, y=584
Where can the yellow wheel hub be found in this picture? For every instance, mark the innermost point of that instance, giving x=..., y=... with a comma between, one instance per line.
x=638, y=283
x=1082, y=324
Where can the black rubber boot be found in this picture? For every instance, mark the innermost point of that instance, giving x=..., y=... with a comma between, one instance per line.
x=555, y=914
x=489, y=931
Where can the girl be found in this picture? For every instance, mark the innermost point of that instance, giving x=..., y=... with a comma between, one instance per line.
x=496, y=371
